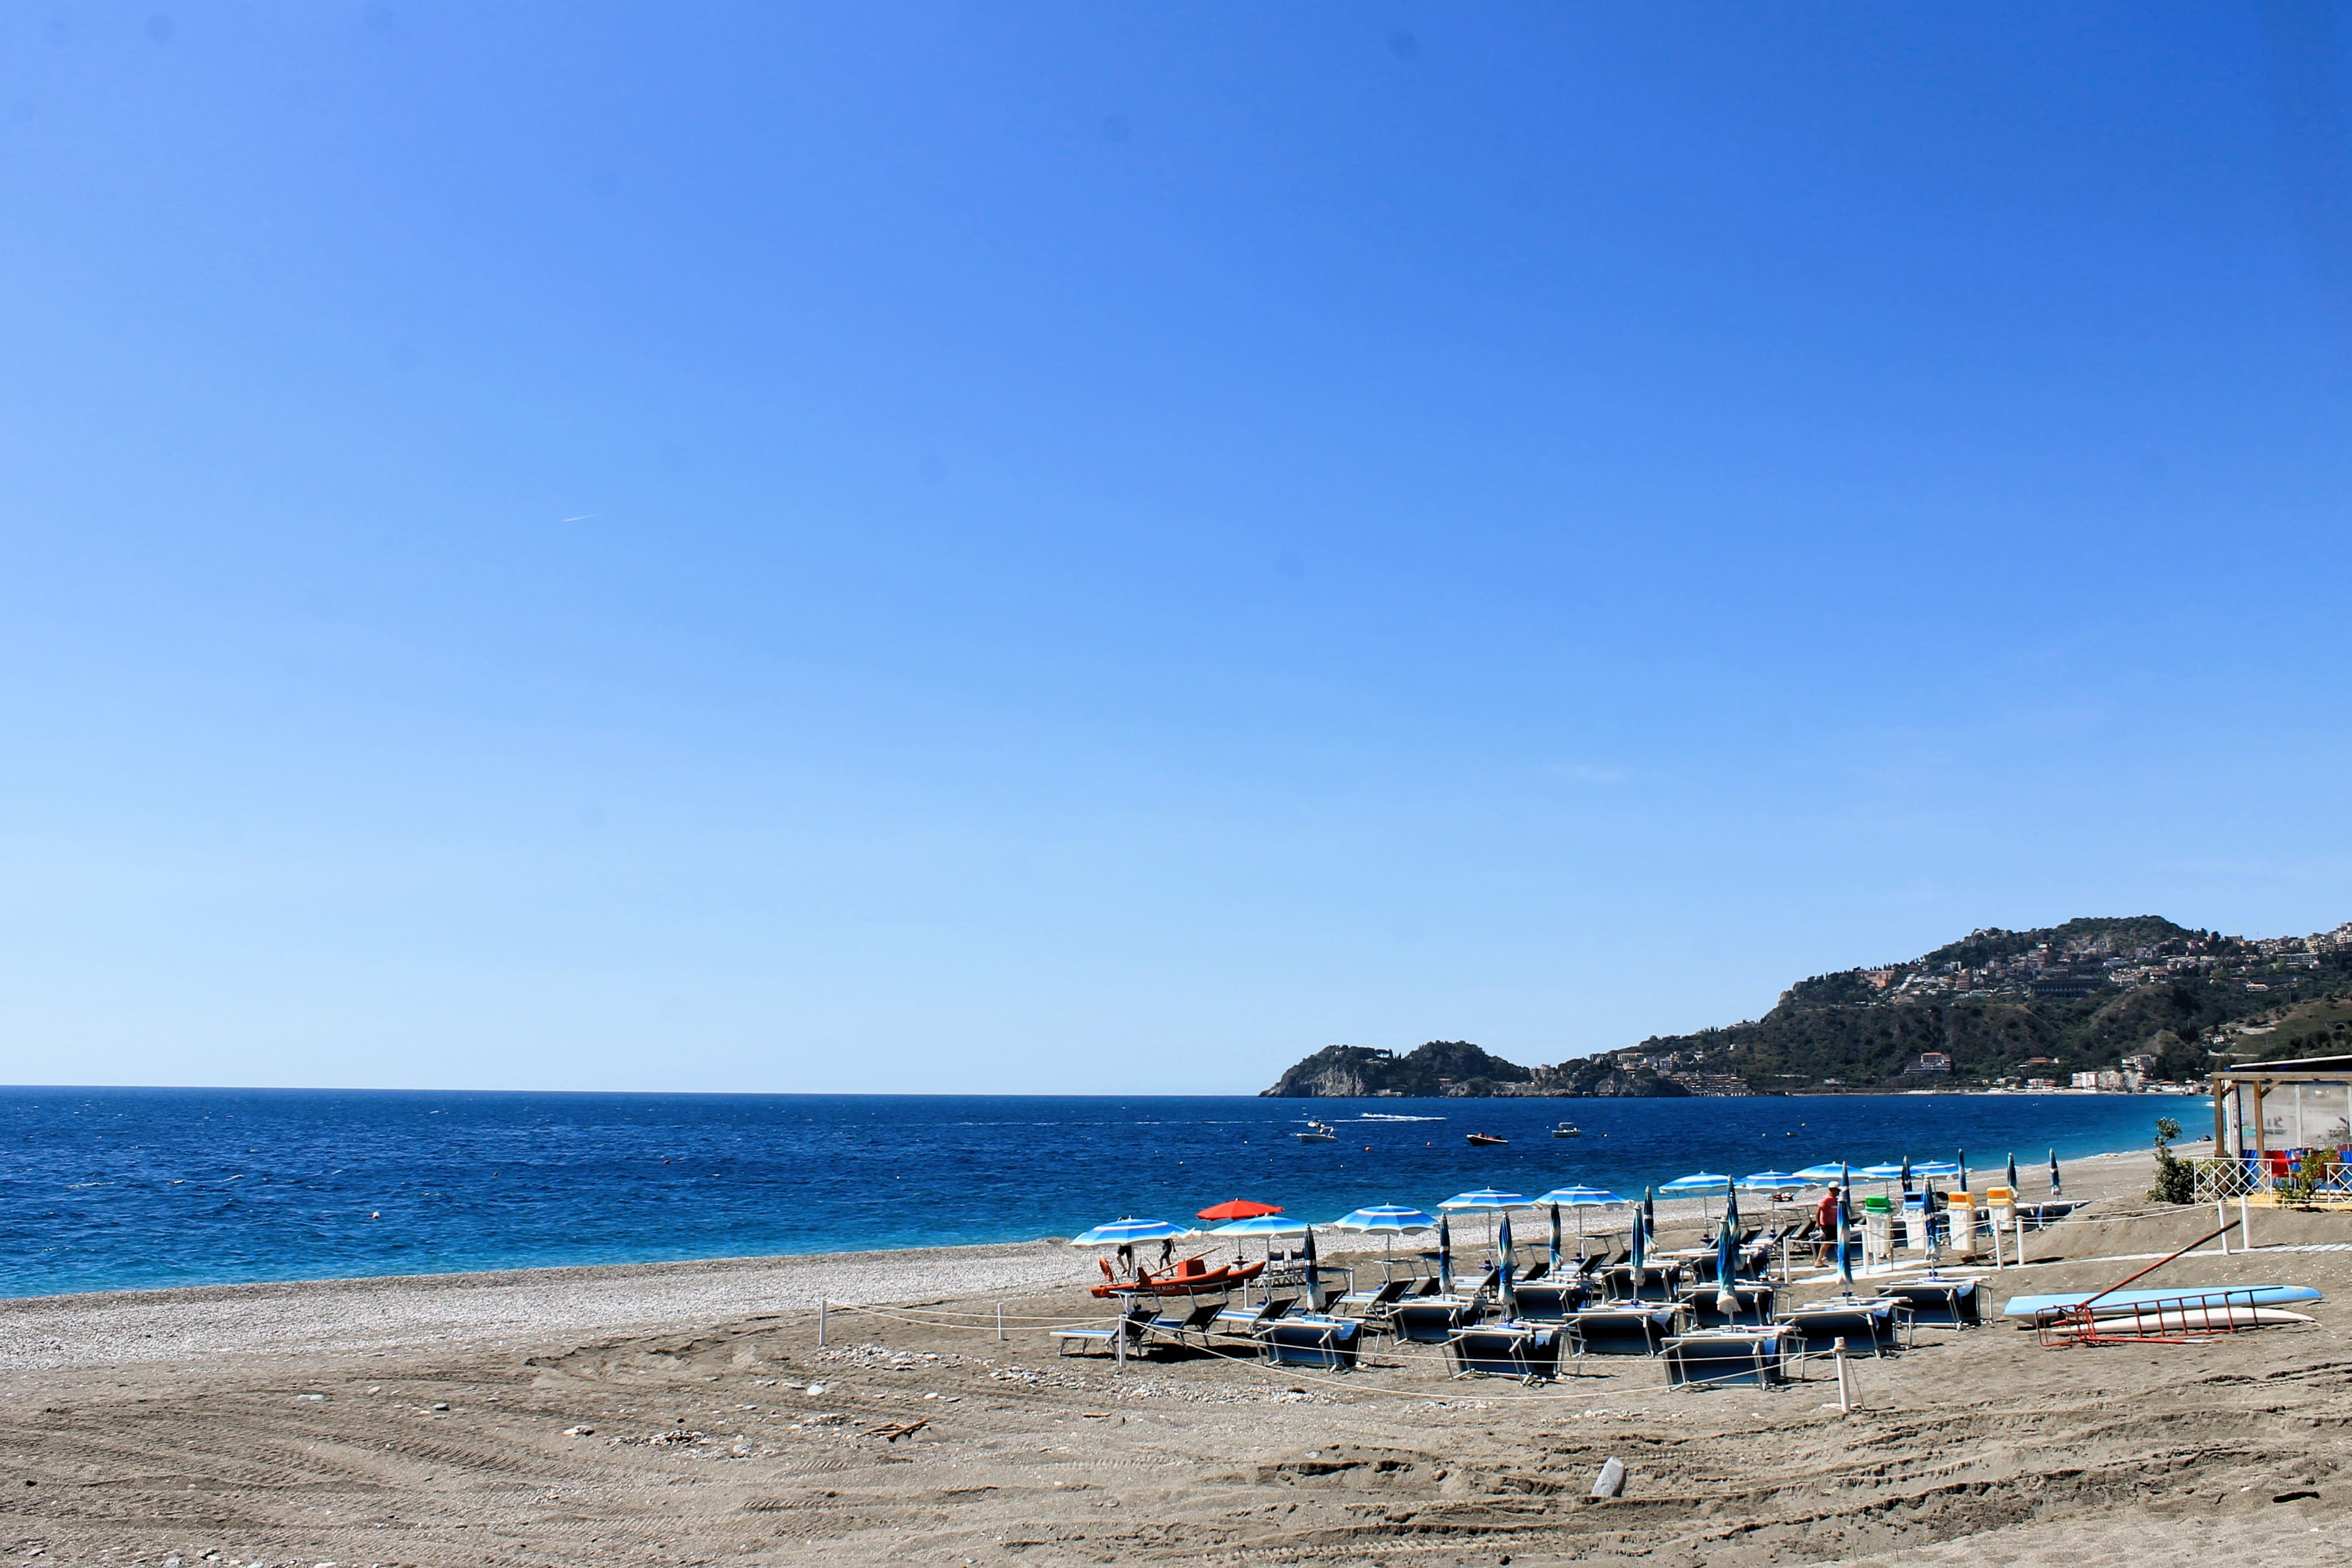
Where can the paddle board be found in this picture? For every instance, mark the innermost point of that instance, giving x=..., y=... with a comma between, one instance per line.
x=2243, y=1295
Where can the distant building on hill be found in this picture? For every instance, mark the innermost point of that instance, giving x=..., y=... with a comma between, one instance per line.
x=1930, y=1064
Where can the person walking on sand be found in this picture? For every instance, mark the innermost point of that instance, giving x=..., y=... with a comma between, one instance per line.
x=1825, y=1218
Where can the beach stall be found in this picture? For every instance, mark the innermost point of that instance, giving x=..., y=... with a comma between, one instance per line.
x=2281, y=1126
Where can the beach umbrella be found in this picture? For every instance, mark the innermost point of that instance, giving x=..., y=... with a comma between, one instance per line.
x=1386, y=1220
x=1845, y=1193
x=1262, y=1225
x=1486, y=1200
x=1650, y=1213
x=1779, y=1180
x=1963, y=1163
x=1880, y=1172
x=1927, y=1170
x=1579, y=1199
x=1553, y=1268
x=1445, y=1255
x=1727, y=1265
x=1314, y=1275
x=1907, y=1172
x=1510, y=1297
x=1828, y=1171
x=1731, y=1207
x=1845, y=1260
x=1128, y=1232
x=1641, y=1240
x=1698, y=1185
x=1240, y=1208
x=2056, y=1188
x=2012, y=1175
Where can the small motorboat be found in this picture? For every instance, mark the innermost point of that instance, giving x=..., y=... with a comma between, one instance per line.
x=1487, y=1140
x=1319, y=1132
x=1190, y=1278
x=1568, y=1130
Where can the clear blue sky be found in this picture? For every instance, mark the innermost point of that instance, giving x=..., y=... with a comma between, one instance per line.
x=769, y=547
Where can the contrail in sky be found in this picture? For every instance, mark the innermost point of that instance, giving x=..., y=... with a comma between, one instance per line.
x=581, y=518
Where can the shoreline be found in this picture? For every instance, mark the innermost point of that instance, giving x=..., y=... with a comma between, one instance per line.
x=1599, y=1222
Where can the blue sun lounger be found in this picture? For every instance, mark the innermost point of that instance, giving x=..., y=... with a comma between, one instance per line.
x=1624, y=1330
x=1550, y=1304
x=1755, y=1306
x=1880, y=1325
x=1432, y=1319
x=1730, y=1358
x=1311, y=1339
x=1527, y=1352
x=1945, y=1303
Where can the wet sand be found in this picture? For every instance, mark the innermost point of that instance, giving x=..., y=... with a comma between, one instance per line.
x=686, y=1414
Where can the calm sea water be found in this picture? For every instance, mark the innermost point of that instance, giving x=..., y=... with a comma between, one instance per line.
x=103, y=1189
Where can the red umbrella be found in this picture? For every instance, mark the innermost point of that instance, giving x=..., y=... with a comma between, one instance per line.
x=1240, y=1208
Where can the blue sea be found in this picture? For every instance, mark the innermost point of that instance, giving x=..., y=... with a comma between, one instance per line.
x=115, y=1188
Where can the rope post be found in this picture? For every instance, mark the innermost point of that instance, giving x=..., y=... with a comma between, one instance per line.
x=820, y=1322
x=1000, y=1322
x=1845, y=1398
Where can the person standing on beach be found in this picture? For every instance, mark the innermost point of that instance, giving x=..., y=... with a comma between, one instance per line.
x=1825, y=1218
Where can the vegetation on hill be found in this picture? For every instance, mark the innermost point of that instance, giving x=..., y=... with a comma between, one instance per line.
x=2137, y=992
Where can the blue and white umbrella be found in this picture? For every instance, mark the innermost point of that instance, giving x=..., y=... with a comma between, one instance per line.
x=1880, y=1172
x=1486, y=1200
x=2057, y=1188
x=1262, y=1225
x=1928, y=1169
x=1128, y=1232
x=1779, y=1181
x=1579, y=1199
x=1640, y=1242
x=1726, y=1267
x=1845, y=1258
x=1387, y=1221
x=1445, y=1255
x=1697, y=1186
x=1828, y=1171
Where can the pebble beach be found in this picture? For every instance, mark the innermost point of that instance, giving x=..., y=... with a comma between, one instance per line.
x=686, y=1414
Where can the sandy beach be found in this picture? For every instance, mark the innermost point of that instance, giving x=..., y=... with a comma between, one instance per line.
x=686, y=1414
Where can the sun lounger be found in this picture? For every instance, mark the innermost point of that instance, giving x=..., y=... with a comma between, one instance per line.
x=1132, y=1323
x=1755, y=1306
x=1241, y=1323
x=1550, y=1304
x=1432, y=1319
x=1313, y=1339
x=1507, y=1350
x=1371, y=1304
x=1879, y=1325
x=1945, y=1303
x=1726, y=1358
x=1178, y=1326
x=1659, y=1281
x=1626, y=1330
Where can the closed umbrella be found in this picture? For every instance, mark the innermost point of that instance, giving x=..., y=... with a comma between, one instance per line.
x=1314, y=1275
x=1963, y=1163
x=2012, y=1176
x=1553, y=1266
x=1445, y=1255
x=1510, y=1297
x=1727, y=1265
x=1640, y=1242
x=1846, y=1260
x=1907, y=1172
x=2057, y=1188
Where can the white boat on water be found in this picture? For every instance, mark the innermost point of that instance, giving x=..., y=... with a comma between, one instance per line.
x=1317, y=1132
x=1568, y=1130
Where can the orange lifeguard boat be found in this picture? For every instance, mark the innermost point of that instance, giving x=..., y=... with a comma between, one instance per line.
x=1190, y=1278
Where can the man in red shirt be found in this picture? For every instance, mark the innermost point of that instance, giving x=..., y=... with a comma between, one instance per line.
x=1825, y=1221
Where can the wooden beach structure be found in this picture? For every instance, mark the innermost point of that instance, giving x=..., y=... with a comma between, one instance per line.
x=2281, y=1123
